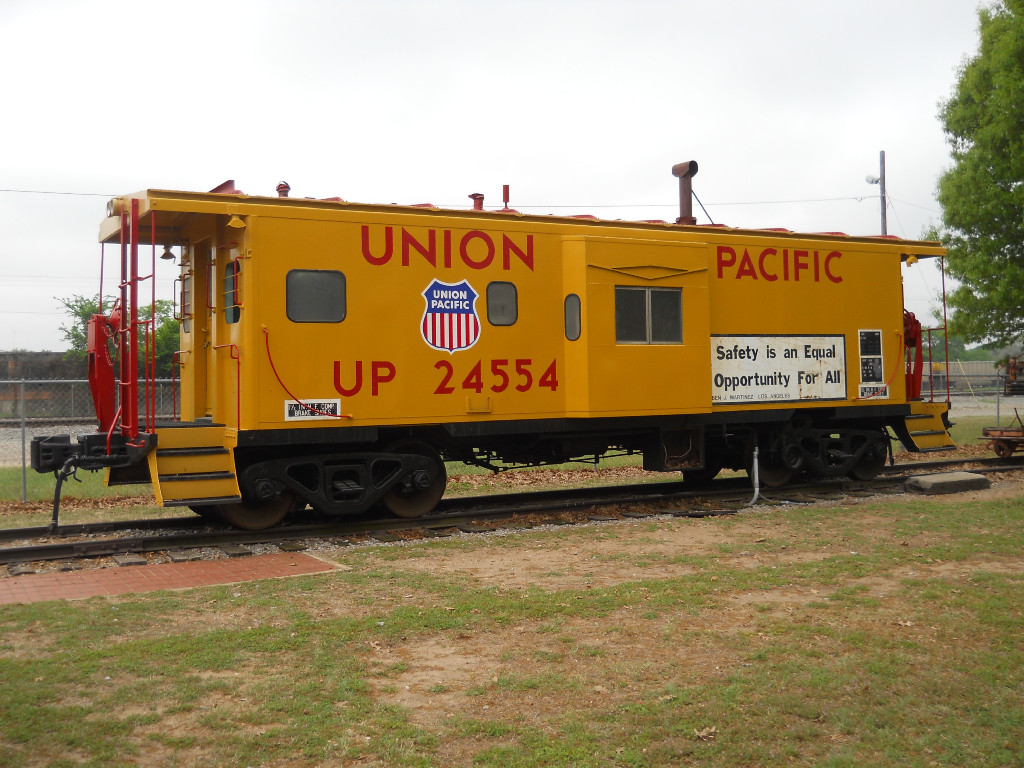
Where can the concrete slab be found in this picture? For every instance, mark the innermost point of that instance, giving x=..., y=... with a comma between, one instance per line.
x=184, y=555
x=948, y=482
x=235, y=550
x=129, y=559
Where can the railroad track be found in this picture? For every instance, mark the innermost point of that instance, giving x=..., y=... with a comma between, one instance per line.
x=186, y=536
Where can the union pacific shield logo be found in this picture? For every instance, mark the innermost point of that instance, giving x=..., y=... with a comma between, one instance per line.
x=450, y=322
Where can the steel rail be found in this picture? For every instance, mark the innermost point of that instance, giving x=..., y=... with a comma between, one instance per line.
x=467, y=514
x=464, y=502
x=461, y=512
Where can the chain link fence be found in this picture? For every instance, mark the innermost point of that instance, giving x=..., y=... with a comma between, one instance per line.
x=45, y=407
x=69, y=401
x=30, y=407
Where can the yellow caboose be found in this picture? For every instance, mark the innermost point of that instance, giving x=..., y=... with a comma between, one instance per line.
x=337, y=354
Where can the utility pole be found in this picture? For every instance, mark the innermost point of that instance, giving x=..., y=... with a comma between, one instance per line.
x=880, y=181
x=881, y=187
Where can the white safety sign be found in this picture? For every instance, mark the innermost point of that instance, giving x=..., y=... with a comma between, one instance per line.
x=777, y=369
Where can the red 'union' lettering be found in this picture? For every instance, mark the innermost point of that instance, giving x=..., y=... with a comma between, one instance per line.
x=475, y=249
x=771, y=264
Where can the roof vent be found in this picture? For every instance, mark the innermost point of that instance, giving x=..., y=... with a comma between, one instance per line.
x=685, y=173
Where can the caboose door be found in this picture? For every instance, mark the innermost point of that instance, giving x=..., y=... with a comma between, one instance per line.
x=211, y=313
x=648, y=323
x=193, y=360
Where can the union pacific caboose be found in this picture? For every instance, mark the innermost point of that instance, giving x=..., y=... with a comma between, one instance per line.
x=338, y=354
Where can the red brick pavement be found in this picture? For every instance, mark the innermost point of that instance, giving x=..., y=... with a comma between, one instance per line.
x=74, y=585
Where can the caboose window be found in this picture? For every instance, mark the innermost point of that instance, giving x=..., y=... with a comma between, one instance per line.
x=573, y=317
x=648, y=315
x=315, y=296
x=666, y=316
x=232, y=305
x=502, y=303
x=186, y=303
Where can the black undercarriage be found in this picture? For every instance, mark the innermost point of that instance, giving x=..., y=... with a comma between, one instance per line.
x=344, y=471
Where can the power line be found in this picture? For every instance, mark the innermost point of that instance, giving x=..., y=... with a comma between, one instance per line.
x=54, y=192
x=27, y=312
x=857, y=198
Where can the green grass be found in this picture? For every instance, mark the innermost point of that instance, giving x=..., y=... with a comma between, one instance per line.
x=966, y=431
x=40, y=486
x=885, y=633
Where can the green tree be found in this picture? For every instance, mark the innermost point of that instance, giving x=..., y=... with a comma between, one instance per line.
x=958, y=349
x=81, y=308
x=982, y=194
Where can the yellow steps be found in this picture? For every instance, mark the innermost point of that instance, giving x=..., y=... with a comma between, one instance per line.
x=927, y=428
x=193, y=465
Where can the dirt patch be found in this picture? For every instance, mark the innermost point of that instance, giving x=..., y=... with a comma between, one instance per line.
x=487, y=675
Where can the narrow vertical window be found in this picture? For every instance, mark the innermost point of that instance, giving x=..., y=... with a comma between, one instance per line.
x=211, y=284
x=186, y=303
x=573, y=317
x=232, y=304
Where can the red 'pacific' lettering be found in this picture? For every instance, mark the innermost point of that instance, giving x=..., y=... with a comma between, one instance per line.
x=828, y=271
x=795, y=265
x=746, y=268
x=769, y=276
x=476, y=249
x=799, y=263
x=725, y=251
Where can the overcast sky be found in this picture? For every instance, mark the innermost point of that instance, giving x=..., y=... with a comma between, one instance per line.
x=580, y=106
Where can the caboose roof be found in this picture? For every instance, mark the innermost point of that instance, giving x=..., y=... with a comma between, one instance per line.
x=174, y=211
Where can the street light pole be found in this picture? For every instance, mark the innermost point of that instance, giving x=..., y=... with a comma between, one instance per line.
x=880, y=181
x=881, y=187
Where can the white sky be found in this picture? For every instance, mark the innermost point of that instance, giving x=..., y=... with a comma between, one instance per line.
x=582, y=106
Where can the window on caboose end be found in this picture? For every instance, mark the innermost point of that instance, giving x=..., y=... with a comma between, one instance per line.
x=648, y=315
x=232, y=303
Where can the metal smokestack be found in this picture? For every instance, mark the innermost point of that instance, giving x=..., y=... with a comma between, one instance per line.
x=685, y=172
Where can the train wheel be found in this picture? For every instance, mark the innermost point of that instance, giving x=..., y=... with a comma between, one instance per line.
x=208, y=512
x=773, y=473
x=872, y=462
x=257, y=516
x=701, y=476
x=417, y=494
x=1002, y=448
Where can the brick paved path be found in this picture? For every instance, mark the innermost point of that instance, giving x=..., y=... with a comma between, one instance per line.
x=75, y=585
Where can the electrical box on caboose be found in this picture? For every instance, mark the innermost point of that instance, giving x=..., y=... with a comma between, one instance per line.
x=338, y=355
